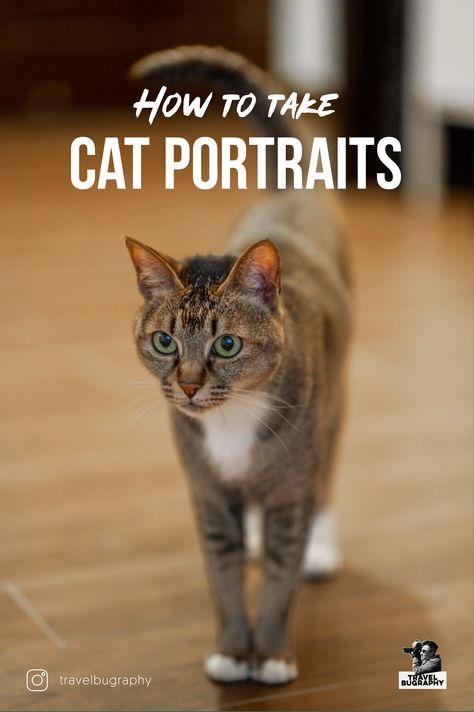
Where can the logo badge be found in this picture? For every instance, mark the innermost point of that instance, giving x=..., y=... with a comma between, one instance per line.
x=37, y=680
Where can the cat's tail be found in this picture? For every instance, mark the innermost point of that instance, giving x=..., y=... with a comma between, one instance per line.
x=226, y=70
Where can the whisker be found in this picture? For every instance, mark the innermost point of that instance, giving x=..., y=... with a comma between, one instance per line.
x=269, y=395
x=265, y=425
x=255, y=399
x=250, y=399
x=147, y=408
x=137, y=401
x=247, y=399
x=142, y=384
x=138, y=406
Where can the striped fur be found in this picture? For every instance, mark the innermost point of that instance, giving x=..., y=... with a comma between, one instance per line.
x=262, y=426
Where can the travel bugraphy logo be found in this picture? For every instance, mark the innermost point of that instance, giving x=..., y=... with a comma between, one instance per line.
x=426, y=670
x=37, y=680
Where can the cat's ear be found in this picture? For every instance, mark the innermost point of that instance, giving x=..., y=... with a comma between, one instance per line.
x=257, y=272
x=155, y=273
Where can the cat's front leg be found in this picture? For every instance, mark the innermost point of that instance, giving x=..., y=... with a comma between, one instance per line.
x=220, y=520
x=285, y=533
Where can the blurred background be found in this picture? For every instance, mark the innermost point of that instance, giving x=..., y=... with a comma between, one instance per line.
x=100, y=566
x=401, y=68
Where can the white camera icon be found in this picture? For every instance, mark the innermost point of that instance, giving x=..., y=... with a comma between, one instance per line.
x=37, y=680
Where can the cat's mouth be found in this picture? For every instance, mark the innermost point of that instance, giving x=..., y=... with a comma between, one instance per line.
x=192, y=407
x=200, y=403
x=195, y=409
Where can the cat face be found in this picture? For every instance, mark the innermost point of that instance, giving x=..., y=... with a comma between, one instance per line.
x=210, y=326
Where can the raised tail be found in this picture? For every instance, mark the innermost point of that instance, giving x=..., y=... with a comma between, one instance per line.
x=220, y=68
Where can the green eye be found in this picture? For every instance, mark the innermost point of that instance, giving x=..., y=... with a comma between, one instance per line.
x=227, y=346
x=163, y=342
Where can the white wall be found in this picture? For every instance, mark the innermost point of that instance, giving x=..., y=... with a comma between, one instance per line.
x=441, y=50
x=306, y=43
x=439, y=89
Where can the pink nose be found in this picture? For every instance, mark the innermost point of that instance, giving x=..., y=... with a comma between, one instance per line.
x=190, y=388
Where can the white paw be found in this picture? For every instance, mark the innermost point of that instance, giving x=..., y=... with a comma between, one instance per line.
x=274, y=671
x=224, y=668
x=322, y=556
x=253, y=530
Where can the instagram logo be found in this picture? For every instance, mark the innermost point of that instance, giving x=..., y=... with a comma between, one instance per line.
x=37, y=680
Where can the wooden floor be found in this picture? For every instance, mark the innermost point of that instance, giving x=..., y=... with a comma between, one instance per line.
x=100, y=566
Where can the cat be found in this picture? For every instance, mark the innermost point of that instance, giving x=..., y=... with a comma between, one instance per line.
x=248, y=348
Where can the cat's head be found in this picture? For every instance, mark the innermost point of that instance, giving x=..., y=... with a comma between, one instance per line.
x=209, y=326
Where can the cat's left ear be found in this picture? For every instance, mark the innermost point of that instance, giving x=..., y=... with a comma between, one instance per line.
x=155, y=272
x=257, y=272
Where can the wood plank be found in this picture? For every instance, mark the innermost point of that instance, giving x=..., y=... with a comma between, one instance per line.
x=97, y=529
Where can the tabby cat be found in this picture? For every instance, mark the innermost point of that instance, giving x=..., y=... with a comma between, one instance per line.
x=248, y=348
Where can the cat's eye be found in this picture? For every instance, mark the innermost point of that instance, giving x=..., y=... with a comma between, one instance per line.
x=227, y=346
x=163, y=342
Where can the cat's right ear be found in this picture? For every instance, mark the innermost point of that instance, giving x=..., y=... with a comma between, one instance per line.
x=155, y=273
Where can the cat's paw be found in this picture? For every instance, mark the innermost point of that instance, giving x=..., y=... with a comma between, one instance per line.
x=322, y=557
x=224, y=668
x=275, y=671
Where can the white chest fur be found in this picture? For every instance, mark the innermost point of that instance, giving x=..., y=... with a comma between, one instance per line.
x=230, y=432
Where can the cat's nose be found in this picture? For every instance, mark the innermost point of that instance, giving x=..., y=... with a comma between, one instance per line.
x=190, y=388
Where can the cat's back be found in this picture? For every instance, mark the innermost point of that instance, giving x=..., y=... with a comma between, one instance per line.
x=313, y=253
